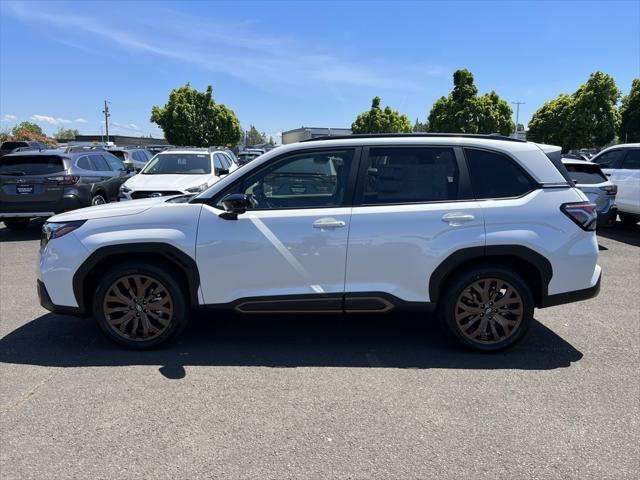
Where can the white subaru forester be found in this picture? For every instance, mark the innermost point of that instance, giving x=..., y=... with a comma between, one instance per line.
x=482, y=228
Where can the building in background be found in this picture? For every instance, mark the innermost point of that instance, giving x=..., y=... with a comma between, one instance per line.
x=123, y=140
x=307, y=133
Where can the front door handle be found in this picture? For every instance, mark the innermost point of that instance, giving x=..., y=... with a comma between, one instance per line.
x=457, y=218
x=328, y=222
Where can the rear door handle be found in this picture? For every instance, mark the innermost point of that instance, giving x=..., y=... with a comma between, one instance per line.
x=328, y=222
x=457, y=218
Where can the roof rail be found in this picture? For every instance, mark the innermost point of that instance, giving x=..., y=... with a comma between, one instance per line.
x=492, y=136
x=82, y=148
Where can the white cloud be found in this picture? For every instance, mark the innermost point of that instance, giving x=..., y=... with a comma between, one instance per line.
x=45, y=119
x=132, y=126
x=80, y=120
x=8, y=117
x=63, y=120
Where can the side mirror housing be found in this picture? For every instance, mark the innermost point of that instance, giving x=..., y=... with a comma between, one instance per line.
x=234, y=204
x=222, y=171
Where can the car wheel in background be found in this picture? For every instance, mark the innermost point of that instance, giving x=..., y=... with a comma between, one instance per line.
x=98, y=200
x=629, y=218
x=140, y=305
x=18, y=223
x=488, y=308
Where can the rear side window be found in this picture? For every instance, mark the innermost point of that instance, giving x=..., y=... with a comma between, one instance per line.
x=632, y=160
x=494, y=175
x=31, y=164
x=83, y=162
x=585, y=174
x=610, y=159
x=410, y=175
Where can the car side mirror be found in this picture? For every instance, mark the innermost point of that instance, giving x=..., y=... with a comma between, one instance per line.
x=223, y=171
x=234, y=204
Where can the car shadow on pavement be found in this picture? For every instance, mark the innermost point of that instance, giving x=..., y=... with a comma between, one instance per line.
x=392, y=341
x=629, y=234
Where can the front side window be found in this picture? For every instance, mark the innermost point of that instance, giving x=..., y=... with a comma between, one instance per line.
x=610, y=159
x=410, y=175
x=632, y=160
x=178, y=163
x=307, y=180
x=99, y=163
x=494, y=175
x=115, y=163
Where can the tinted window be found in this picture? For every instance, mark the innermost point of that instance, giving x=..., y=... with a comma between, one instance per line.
x=225, y=160
x=178, y=163
x=83, y=162
x=31, y=165
x=114, y=162
x=587, y=173
x=13, y=145
x=410, y=175
x=610, y=159
x=494, y=175
x=632, y=160
x=118, y=153
x=99, y=163
x=309, y=180
x=217, y=161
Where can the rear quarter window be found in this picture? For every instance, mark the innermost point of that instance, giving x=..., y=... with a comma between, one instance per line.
x=585, y=174
x=494, y=175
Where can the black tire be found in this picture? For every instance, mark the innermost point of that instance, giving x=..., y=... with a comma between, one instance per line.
x=166, y=278
x=459, y=285
x=17, y=223
x=629, y=218
x=98, y=199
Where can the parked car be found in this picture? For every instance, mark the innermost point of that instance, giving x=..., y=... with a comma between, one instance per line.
x=157, y=148
x=246, y=156
x=134, y=158
x=177, y=172
x=481, y=229
x=621, y=163
x=44, y=183
x=601, y=191
x=11, y=146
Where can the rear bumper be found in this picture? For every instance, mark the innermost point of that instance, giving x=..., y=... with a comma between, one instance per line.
x=607, y=218
x=68, y=202
x=574, y=296
x=46, y=303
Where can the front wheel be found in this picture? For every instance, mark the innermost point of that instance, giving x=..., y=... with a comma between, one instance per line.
x=17, y=223
x=487, y=309
x=140, y=305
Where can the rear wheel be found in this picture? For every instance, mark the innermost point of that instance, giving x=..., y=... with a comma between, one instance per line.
x=140, y=305
x=629, y=218
x=17, y=223
x=98, y=199
x=487, y=309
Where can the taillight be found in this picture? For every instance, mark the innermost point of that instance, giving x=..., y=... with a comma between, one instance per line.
x=610, y=189
x=582, y=214
x=64, y=179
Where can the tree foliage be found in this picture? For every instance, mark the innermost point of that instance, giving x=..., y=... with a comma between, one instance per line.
x=193, y=118
x=24, y=127
x=418, y=126
x=66, y=134
x=630, y=115
x=463, y=111
x=378, y=120
x=586, y=118
x=254, y=137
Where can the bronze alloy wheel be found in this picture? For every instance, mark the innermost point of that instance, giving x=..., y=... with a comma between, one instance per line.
x=138, y=307
x=489, y=310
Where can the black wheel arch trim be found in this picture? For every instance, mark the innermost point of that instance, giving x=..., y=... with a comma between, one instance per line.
x=174, y=255
x=462, y=256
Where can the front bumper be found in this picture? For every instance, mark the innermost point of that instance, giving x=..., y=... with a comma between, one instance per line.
x=46, y=303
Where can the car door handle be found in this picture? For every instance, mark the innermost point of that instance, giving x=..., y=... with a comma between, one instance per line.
x=328, y=223
x=457, y=218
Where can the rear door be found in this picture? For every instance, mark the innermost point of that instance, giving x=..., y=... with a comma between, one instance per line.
x=627, y=177
x=118, y=174
x=413, y=208
x=29, y=182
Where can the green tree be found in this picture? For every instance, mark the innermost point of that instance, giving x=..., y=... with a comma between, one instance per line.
x=66, y=134
x=378, y=120
x=254, y=137
x=550, y=123
x=418, y=126
x=28, y=127
x=629, y=131
x=191, y=117
x=271, y=141
x=462, y=111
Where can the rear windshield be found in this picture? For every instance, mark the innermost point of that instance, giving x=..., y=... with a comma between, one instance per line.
x=585, y=174
x=30, y=165
x=13, y=145
x=118, y=153
x=178, y=163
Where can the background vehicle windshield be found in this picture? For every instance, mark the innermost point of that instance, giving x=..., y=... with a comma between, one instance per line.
x=178, y=163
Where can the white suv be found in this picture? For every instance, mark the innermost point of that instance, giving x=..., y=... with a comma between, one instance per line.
x=482, y=228
x=178, y=171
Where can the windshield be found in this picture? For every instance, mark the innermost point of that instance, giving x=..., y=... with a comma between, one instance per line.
x=178, y=163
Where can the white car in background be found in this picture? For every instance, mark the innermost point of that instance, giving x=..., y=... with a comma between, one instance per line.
x=178, y=172
x=621, y=163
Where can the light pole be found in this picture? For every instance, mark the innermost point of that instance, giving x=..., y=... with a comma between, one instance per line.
x=106, y=118
x=517, y=104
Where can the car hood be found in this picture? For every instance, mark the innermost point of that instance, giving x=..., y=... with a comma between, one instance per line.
x=130, y=207
x=168, y=182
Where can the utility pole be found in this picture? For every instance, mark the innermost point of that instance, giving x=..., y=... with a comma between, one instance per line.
x=517, y=104
x=106, y=118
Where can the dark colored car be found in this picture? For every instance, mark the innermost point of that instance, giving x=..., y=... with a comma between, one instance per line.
x=12, y=146
x=43, y=183
x=133, y=158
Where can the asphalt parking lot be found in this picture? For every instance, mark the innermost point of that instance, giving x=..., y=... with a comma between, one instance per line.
x=322, y=397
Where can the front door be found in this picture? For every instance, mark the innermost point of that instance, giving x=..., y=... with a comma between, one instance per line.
x=292, y=240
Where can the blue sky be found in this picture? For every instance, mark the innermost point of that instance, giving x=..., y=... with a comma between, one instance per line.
x=281, y=65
